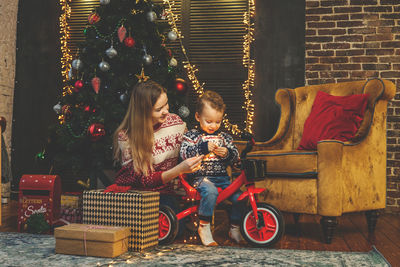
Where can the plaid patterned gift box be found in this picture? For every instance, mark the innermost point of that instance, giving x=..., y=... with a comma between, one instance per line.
x=137, y=210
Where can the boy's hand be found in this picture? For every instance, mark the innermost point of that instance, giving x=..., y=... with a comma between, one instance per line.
x=221, y=151
x=211, y=146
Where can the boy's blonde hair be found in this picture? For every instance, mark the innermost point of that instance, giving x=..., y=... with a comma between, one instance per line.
x=138, y=125
x=213, y=99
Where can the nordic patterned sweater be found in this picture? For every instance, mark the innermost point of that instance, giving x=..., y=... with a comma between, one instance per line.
x=167, y=141
x=195, y=142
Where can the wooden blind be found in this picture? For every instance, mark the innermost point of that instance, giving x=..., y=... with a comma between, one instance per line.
x=213, y=36
x=80, y=10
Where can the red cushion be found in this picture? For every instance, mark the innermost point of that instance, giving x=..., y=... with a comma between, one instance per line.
x=333, y=118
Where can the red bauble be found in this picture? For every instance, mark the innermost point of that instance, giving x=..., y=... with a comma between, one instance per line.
x=129, y=41
x=96, y=131
x=181, y=86
x=93, y=18
x=78, y=85
x=87, y=109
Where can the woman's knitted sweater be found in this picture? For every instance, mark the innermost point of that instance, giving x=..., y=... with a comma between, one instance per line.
x=167, y=141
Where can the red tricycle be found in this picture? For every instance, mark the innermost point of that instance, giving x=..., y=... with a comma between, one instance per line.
x=262, y=224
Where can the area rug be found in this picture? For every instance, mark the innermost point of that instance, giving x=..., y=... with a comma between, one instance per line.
x=18, y=249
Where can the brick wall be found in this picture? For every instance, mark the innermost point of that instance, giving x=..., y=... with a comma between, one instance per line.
x=353, y=40
x=8, y=22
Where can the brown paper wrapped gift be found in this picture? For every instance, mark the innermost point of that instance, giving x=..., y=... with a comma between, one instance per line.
x=91, y=240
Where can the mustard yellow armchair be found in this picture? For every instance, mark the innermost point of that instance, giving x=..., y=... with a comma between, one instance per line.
x=338, y=177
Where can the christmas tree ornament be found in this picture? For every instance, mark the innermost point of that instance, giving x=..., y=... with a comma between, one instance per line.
x=184, y=111
x=96, y=84
x=151, y=16
x=181, y=86
x=104, y=66
x=173, y=62
x=169, y=51
x=78, y=85
x=164, y=14
x=70, y=74
x=66, y=111
x=172, y=36
x=121, y=33
x=129, y=41
x=77, y=64
x=111, y=52
x=96, y=131
x=147, y=59
x=124, y=97
x=93, y=18
x=104, y=2
x=87, y=109
x=57, y=108
x=141, y=77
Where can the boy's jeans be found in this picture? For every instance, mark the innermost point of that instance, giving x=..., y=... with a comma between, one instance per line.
x=207, y=187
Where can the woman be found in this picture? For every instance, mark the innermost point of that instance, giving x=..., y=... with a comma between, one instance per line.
x=147, y=144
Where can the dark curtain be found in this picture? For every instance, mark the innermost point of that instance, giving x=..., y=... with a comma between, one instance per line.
x=38, y=82
x=280, y=60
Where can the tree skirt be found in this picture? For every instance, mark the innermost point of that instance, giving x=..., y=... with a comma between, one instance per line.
x=29, y=250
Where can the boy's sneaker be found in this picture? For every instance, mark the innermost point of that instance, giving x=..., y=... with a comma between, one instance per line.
x=234, y=233
x=206, y=236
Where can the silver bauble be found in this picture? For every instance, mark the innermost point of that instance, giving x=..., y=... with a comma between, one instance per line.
x=57, y=108
x=70, y=74
x=77, y=64
x=147, y=59
x=123, y=98
x=151, y=16
x=173, y=62
x=104, y=66
x=111, y=52
x=104, y=2
x=184, y=111
x=172, y=35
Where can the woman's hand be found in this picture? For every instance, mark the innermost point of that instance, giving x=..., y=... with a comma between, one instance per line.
x=191, y=164
x=221, y=151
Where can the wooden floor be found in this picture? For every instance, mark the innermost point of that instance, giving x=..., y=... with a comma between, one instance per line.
x=351, y=233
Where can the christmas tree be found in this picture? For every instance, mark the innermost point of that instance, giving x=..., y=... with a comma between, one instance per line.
x=125, y=42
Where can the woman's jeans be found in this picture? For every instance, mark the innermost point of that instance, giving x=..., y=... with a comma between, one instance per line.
x=207, y=187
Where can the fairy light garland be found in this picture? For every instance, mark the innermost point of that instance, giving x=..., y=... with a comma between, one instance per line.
x=64, y=37
x=247, y=62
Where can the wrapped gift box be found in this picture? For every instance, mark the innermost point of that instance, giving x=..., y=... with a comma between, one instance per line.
x=137, y=210
x=71, y=200
x=91, y=240
x=71, y=207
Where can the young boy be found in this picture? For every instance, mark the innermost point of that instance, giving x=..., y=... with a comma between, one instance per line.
x=219, y=152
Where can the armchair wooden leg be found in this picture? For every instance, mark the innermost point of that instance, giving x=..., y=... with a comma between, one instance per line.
x=328, y=227
x=372, y=218
x=296, y=217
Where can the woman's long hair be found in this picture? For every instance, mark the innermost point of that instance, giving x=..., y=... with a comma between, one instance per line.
x=138, y=125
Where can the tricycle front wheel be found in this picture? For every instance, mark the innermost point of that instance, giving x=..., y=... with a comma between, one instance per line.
x=167, y=225
x=269, y=228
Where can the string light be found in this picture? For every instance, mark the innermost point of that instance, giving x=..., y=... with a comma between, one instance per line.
x=248, y=63
x=66, y=57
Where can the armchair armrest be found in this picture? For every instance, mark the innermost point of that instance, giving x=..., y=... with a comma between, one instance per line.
x=3, y=124
x=285, y=100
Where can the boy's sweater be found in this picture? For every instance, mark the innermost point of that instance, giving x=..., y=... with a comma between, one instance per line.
x=195, y=142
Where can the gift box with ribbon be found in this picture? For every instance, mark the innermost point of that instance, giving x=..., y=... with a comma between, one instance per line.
x=91, y=240
x=137, y=210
